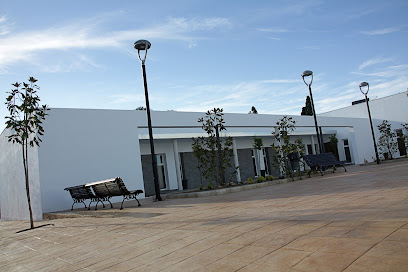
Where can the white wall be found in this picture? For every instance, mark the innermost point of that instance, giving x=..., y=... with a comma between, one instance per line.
x=13, y=197
x=391, y=108
x=81, y=146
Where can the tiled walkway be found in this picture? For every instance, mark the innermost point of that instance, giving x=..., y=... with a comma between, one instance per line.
x=354, y=221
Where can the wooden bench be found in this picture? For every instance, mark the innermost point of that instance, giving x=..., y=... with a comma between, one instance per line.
x=106, y=189
x=80, y=193
x=322, y=161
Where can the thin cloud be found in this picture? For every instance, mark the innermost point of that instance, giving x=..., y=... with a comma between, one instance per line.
x=372, y=62
x=273, y=30
x=390, y=71
x=189, y=25
x=239, y=97
x=77, y=36
x=4, y=27
x=280, y=81
x=382, y=31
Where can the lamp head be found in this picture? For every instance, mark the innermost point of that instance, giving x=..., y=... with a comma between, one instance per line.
x=363, y=84
x=142, y=45
x=307, y=73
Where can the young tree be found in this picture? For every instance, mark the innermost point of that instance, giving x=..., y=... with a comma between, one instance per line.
x=286, y=125
x=25, y=122
x=387, y=142
x=213, y=153
x=405, y=135
x=333, y=141
x=307, y=109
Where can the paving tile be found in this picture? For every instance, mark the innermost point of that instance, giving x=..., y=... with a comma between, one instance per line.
x=390, y=249
x=282, y=259
x=158, y=265
x=257, y=267
x=343, y=245
x=399, y=235
x=322, y=261
x=330, y=231
x=275, y=240
x=247, y=254
x=378, y=264
x=309, y=244
x=369, y=232
x=221, y=266
x=248, y=238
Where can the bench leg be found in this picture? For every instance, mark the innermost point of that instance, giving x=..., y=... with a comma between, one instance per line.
x=121, y=205
x=89, y=205
x=138, y=202
x=96, y=205
x=72, y=207
x=83, y=202
x=110, y=203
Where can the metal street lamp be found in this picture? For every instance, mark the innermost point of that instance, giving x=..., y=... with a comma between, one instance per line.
x=365, y=84
x=306, y=74
x=144, y=45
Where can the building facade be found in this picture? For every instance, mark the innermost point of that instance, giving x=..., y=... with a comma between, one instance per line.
x=83, y=145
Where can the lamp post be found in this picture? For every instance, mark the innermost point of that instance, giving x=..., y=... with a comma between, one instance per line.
x=144, y=45
x=306, y=74
x=362, y=85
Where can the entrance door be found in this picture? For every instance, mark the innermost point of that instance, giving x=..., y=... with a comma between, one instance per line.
x=260, y=162
x=161, y=171
x=347, y=150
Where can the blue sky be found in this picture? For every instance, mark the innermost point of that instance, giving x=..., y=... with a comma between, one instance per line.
x=204, y=54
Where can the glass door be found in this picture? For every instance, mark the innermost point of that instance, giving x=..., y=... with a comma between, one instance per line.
x=161, y=171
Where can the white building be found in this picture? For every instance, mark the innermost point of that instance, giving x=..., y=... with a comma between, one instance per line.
x=393, y=107
x=81, y=146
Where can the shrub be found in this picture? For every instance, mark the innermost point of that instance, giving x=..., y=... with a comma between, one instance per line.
x=269, y=178
x=260, y=179
x=250, y=181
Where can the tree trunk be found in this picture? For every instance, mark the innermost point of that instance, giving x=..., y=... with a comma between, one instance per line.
x=25, y=162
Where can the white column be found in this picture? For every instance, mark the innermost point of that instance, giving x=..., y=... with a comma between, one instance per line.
x=313, y=144
x=177, y=163
x=236, y=163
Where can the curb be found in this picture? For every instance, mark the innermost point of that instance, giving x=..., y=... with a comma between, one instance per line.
x=224, y=191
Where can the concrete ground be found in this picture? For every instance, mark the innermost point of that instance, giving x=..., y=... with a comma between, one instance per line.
x=354, y=221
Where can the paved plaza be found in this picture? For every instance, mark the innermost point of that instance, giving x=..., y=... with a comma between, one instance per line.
x=353, y=221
